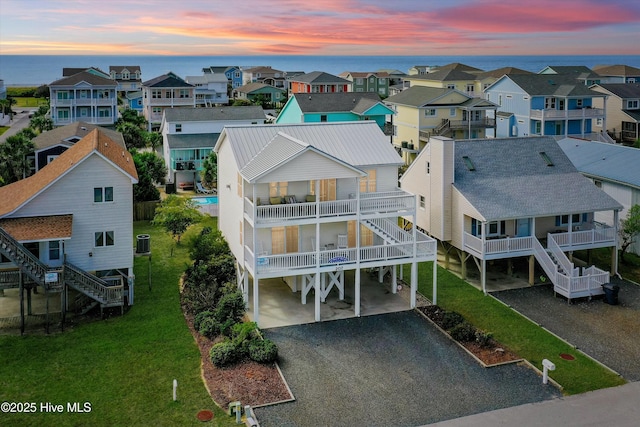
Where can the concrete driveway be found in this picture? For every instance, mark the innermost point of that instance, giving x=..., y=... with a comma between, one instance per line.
x=388, y=370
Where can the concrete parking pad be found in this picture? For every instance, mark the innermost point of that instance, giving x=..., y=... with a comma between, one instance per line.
x=388, y=370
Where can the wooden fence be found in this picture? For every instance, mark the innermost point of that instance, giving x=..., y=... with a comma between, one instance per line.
x=144, y=211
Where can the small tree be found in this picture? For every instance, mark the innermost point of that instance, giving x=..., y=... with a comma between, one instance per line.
x=629, y=229
x=176, y=214
x=14, y=164
x=209, y=173
x=151, y=170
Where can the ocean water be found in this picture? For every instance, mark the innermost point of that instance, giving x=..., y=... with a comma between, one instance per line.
x=34, y=70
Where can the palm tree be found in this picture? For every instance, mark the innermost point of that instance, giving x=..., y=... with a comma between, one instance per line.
x=41, y=123
x=14, y=163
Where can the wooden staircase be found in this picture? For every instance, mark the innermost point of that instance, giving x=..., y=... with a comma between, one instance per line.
x=54, y=279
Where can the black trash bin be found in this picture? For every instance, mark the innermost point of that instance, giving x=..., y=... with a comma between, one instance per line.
x=611, y=293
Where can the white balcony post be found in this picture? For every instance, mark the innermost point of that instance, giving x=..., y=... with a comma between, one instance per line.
x=414, y=282
x=435, y=278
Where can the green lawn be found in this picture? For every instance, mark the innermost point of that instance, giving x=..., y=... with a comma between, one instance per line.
x=123, y=366
x=528, y=340
x=29, y=101
x=3, y=129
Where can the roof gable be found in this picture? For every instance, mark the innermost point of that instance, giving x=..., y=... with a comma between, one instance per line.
x=96, y=142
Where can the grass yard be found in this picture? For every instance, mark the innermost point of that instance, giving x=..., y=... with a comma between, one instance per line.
x=3, y=129
x=28, y=101
x=123, y=366
x=528, y=340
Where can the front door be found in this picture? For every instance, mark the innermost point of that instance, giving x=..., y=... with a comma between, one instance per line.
x=523, y=228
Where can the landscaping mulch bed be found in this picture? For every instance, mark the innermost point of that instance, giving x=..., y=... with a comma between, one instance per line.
x=491, y=354
x=248, y=382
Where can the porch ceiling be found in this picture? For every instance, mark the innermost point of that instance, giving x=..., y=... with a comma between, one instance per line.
x=37, y=228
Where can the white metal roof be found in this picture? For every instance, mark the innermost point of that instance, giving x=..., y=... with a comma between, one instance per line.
x=358, y=144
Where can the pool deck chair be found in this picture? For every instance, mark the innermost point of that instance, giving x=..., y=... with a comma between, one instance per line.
x=201, y=189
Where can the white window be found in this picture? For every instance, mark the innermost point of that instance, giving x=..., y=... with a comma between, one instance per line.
x=359, y=81
x=579, y=103
x=427, y=167
x=104, y=238
x=599, y=122
x=155, y=94
x=452, y=112
x=470, y=88
x=102, y=194
x=430, y=112
x=178, y=127
x=451, y=86
x=632, y=104
x=157, y=110
x=422, y=202
x=104, y=112
x=184, y=93
x=63, y=114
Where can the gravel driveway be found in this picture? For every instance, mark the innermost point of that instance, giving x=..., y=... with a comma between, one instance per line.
x=608, y=333
x=388, y=370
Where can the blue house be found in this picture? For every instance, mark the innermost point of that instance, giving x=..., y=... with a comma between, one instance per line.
x=232, y=72
x=134, y=101
x=543, y=104
x=334, y=107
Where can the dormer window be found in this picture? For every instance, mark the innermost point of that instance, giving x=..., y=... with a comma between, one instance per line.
x=632, y=104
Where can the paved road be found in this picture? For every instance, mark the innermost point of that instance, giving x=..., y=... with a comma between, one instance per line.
x=20, y=121
x=388, y=370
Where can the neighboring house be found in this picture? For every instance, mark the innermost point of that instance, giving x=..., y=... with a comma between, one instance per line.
x=318, y=82
x=266, y=75
x=89, y=96
x=418, y=70
x=496, y=199
x=165, y=92
x=211, y=89
x=134, y=101
x=69, y=228
x=253, y=91
x=396, y=77
x=377, y=82
x=334, y=107
x=543, y=104
x=232, y=72
x=622, y=109
x=51, y=144
x=580, y=72
x=451, y=76
x=611, y=167
x=309, y=202
x=128, y=77
x=617, y=73
x=189, y=135
x=422, y=112
x=487, y=78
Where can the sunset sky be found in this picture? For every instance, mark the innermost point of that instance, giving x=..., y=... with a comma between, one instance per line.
x=319, y=27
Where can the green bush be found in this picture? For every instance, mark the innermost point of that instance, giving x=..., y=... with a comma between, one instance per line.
x=243, y=334
x=209, y=327
x=463, y=332
x=451, y=319
x=223, y=354
x=197, y=321
x=263, y=351
x=484, y=339
x=230, y=307
x=209, y=244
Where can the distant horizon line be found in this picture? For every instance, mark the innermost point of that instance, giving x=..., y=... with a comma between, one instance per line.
x=320, y=55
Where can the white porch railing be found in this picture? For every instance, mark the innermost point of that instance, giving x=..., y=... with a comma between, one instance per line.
x=567, y=114
x=598, y=235
x=387, y=202
x=498, y=246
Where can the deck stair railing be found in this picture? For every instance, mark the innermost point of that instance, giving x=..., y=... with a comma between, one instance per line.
x=93, y=286
x=35, y=269
x=566, y=278
x=443, y=127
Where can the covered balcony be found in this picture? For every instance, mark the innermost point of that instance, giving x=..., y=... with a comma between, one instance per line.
x=301, y=207
x=587, y=235
x=553, y=114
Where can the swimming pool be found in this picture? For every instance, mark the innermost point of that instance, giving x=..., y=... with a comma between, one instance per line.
x=210, y=200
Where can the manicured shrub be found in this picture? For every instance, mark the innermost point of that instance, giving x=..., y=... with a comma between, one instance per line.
x=263, y=351
x=463, y=332
x=230, y=307
x=223, y=354
x=200, y=317
x=209, y=327
x=451, y=319
x=243, y=334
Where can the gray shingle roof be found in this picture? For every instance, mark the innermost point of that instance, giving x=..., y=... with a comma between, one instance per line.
x=617, y=70
x=512, y=180
x=622, y=90
x=62, y=134
x=355, y=143
x=417, y=96
x=319, y=77
x=601, y=160
x=84, y=76
x=200, y=114
x=552, y=84
x=166, y=80
x=335, y=102
x=194, y=140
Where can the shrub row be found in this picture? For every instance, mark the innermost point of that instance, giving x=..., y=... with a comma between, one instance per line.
x=463, y=331
x=243, y=341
